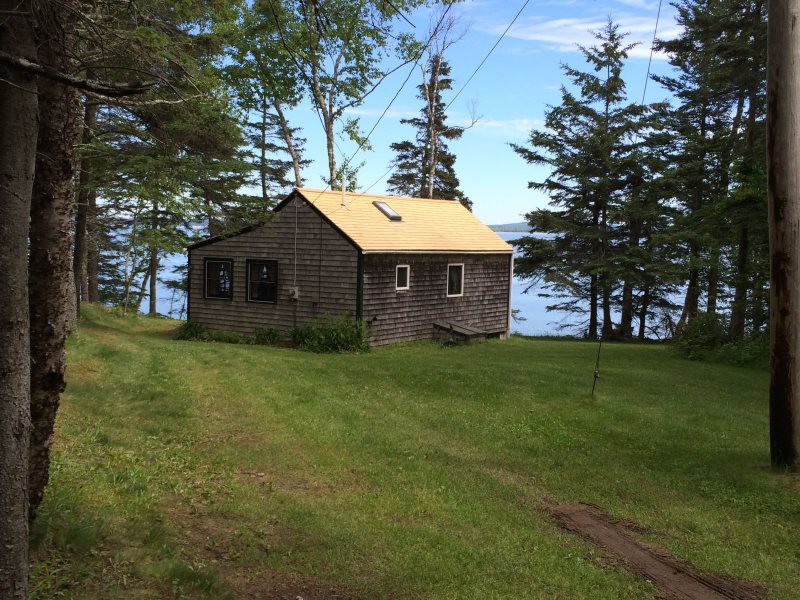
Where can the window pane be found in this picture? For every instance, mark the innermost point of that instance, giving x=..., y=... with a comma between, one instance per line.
x=219, y=281
x=454, y=273
x=402, y=277
x=262, y=281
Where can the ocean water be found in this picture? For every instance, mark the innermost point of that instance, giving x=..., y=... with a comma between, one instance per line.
x=534, y=319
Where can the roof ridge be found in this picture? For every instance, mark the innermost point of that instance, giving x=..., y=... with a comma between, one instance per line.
x=366, y=195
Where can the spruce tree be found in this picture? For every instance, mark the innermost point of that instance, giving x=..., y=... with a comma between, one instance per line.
x=425, y=167
x=588, y=144
x=717, y=168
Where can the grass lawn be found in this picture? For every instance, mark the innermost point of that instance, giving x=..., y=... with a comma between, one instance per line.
x=202, y=470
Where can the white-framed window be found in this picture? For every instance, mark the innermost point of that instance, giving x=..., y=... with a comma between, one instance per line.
x=402, y=277
x=219, y=278
x=455, y=280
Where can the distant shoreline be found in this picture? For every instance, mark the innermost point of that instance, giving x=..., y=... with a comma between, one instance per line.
x=521, y=227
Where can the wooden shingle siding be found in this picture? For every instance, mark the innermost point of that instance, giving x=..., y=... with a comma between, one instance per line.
x=409, y=315
x=326, y=274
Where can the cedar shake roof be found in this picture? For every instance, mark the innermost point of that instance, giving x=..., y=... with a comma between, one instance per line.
x=425, y=225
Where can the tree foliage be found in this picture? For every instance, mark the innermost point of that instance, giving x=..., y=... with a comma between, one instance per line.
x=425, y=167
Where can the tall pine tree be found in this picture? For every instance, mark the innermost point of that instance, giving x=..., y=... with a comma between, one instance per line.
x=588, y=144
x=425, y=167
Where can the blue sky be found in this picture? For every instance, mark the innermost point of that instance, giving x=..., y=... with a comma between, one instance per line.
x=511, y=92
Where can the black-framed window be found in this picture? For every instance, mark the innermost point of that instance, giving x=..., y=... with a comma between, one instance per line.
x=455, y=279
x=219, y=278
x=262, y=280
x=402, y=278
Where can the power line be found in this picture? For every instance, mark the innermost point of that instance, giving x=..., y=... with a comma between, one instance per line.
x=488, y=54
x=379, y=179
x=413, y=67
x=652, y=48
x=421, y=53
x=478, y=68
x=644, y=92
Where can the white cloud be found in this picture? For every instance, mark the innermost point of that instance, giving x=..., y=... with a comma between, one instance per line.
x=564, y=34
x=509, y=125
x=643, y=4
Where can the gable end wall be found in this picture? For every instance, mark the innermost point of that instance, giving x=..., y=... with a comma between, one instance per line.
x=326, y=274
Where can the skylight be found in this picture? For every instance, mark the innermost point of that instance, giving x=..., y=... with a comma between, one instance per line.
x=387, y=210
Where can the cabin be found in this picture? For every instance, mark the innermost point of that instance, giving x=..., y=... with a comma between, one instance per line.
x=413, y=268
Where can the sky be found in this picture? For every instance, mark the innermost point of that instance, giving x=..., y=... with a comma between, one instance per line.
x=510, y=93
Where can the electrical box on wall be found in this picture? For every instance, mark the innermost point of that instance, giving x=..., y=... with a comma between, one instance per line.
x=294, y=293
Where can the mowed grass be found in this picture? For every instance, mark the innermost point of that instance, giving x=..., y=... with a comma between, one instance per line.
x=201, y=470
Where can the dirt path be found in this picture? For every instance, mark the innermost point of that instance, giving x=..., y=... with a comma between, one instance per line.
x=675, y=580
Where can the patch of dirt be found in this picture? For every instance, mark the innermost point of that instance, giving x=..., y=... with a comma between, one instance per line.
x=278, y=586
x=675, y=579
x=212, y=538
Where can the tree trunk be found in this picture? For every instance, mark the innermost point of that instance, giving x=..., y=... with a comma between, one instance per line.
x=593, y=283
x=691, y=303
x=287, y=138
x=608, y=324
x=262, y=167
x=81, y=214
x=643, y=308
x=431, y=93
x=153, y=265
x=783, y=153
x=140, y=294
x=760, y=308
x=334, y=184
x=153, y=268
x=592, y=335
x=626, y=310
x=18, y=126
x=739, y=306
x=713, y=282
x=92, y=250
x=50, y=264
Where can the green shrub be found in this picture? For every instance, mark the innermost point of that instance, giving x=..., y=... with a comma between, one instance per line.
x=266, y=336
x=706, y=338
x=228, y=337
x=704, y=333
x=333, y=334
x=748, y=352
x=191, y=330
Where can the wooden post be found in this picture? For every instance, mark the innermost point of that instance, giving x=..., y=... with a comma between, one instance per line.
x=783, y=169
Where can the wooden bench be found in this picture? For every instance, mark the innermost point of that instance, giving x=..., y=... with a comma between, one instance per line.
x=459, y=332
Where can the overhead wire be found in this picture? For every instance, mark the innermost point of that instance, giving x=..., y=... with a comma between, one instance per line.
x=652, y=48
x=644, y=92
x=466, y=83
x=488, y=54
x=420, y=54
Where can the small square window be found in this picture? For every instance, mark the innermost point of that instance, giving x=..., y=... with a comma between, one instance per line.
x=402, y=277
x=262, y=281
x=455, y=280
x=219, y=278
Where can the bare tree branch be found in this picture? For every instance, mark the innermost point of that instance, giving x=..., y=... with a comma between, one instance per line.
x=113, y=90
